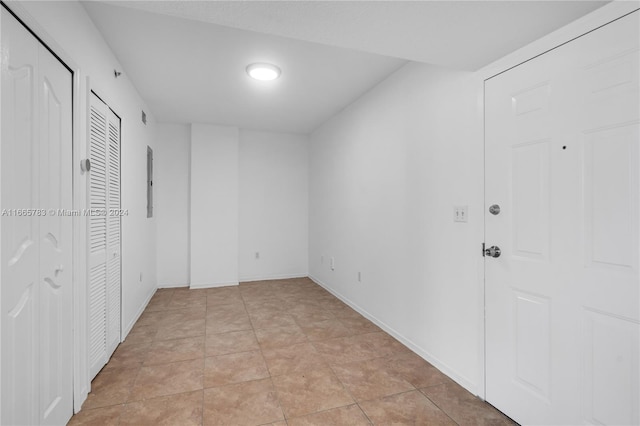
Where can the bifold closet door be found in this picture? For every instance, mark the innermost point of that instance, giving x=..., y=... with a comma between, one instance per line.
x=36, y=174
x=104, y=234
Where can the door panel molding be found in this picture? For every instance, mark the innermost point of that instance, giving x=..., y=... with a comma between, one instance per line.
x=78, y=267
x=569, y=354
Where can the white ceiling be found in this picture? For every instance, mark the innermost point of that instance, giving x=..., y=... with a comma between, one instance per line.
x=187, y=58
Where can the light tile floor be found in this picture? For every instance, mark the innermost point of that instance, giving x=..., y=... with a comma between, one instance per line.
x=283, y=352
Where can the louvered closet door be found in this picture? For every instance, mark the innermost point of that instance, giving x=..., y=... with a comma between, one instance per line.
x=104, y=234
x=113, y=233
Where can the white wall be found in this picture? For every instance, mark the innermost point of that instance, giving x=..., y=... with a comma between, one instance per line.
x=273, y=205
x=171, y=186
x=214, y=205
x=76, y=38
x=267, y=174
x=384, y=176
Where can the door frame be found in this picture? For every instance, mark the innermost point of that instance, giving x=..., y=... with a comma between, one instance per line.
x=81, y=384
x=590, y=22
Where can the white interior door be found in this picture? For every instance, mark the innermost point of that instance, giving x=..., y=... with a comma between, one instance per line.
x=36, y=292
x=104, y=234
x=562, y=300
x=56, y=236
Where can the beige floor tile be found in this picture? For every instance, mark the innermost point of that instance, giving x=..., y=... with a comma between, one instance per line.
x=178, y=329
x=168, y=379
x=417, y=371
x=346, y=349
x=280, y=336
x=410, y=408
x=233, y=368
x=190, y=292
x=264, y=305
x=345, y=312
x=371, y=379
x=351, y=415
x=110, y=388
x=324, y=330
x=150, y=318
x=384, y=345
x=128, y=356
x=159, y=301
x=332, y=303
x=231, y=342
x=292, y=359
x=165, y=351
x=141, y=334
x=359, y=324
x=269, y=319
x=309, y=356
x=186, y=301
x=305, y=306
x=230, y=323
x=248, y=403
x=463, y=407
x=226, y=310
x=183, y=409
x=312, y=316
x=217, y=299
x=106, y=416
x=175, y=316
x=309, y=392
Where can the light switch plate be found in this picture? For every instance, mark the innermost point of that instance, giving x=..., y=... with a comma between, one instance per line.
x=460, y=213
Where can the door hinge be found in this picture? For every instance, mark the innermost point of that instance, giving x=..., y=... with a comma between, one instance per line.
x=483, y=252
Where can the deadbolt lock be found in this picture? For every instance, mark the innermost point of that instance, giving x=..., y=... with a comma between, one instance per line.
x=494, y=209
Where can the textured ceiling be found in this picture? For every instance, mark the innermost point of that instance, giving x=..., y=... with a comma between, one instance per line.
x=458, y=34
x=194, y=72
x=187, y=58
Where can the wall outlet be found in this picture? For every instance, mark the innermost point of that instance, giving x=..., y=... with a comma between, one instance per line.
x=332, y=264
x=257, y=255
x=460, y=213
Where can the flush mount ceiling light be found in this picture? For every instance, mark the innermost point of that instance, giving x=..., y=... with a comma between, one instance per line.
x=263, y=72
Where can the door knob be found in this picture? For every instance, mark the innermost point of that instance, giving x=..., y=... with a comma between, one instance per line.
x=493, y=251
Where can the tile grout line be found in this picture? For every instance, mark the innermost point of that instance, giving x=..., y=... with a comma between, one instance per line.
x=284, y=416
x=440, y=408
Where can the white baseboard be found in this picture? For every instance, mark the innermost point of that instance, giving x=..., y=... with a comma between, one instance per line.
x=214, y=285
x=241, y=280
x=126, y=331
x=172, y=285
x=440, y=365
x=272, y=277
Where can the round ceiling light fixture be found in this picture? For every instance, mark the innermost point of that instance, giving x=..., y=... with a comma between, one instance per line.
x=263, y=71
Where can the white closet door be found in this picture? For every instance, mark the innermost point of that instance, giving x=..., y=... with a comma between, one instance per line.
x=36, y=291
x=19, y=295
x=97, y=235
x=56, y=233
x=104, y=234
x=113, y=233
